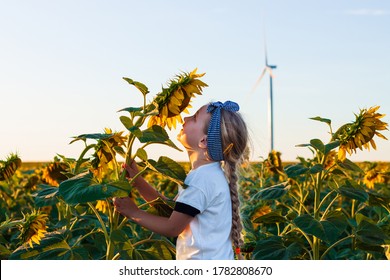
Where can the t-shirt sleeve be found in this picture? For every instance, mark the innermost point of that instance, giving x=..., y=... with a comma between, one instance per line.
x=191, y=201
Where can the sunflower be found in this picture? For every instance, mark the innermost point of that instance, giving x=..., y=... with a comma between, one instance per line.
x=373, y=176
x=33, y=227
x=105, y=151
x=53, y=173
x=360, y=133
x=9, y=166
x=274, y=162
x=175, y=99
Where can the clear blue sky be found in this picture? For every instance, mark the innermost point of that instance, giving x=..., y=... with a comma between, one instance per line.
x=62, y=63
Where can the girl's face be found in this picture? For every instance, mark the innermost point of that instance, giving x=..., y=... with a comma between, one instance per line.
x=192, y=135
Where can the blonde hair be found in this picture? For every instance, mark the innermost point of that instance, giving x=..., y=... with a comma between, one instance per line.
x=235, y=138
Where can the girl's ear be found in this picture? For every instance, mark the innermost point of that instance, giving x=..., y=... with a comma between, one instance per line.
x=203, y=142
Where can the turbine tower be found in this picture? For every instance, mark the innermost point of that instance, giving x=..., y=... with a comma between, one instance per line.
x=268, y=68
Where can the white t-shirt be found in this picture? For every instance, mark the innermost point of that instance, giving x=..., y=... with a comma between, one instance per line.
x=207, y=199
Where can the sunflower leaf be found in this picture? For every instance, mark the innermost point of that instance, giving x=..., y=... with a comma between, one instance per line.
x=126, y=121
x=140, y=86
x=169, y=168
x=154, y=133
x=310, y=225
x=331, y=145
x=273, y=192
x=318, y=145
x=82, y=188
x=328, y=121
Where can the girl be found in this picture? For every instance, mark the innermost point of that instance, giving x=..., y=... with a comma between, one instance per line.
x=206, y=216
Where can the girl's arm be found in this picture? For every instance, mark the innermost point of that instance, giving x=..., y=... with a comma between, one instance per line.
x=144, y=188
x=170, y=227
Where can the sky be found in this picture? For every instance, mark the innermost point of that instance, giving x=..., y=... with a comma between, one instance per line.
x=62, y=63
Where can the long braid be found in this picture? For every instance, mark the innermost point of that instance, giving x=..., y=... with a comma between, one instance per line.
x=230, y=170
x=234, y=137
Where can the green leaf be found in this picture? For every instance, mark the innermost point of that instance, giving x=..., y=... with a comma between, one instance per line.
x=140, y=86
x=270, y=218
x=371, y=234
x=349, y=165
x=131, y=109
x=331, y=145
x=94, y=136
x=310, y=225
x=316, y=169
x=334, y=225
x=303, y=145
x=273, y=248
x=375, y=199
x=162, y=250
x=141, y=154
x=354, y=193
x=273, y=192
x=126, y=121
x=160, y=207
x=318, y=145
x=154, y=133
x=169, y=168
x=82, y=188
x=328, y=121
x=53, y=246
x=46, y=196
x=296, y=170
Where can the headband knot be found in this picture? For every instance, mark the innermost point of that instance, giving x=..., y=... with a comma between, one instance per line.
x=214, y=140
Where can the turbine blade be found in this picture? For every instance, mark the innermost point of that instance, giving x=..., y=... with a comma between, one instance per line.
x=259, y=79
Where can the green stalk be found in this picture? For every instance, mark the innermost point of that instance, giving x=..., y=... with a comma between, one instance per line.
x=330, y=204
x=335, y=244
x=317, y=204
x=83, y=237
x=301, y=205
x=79, y=161
x=353, y=206
x=316, y=248
x=100, y=221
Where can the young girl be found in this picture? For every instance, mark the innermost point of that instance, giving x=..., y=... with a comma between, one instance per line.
x=206, y=216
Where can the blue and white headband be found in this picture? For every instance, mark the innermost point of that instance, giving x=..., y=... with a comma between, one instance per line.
x=214, y=140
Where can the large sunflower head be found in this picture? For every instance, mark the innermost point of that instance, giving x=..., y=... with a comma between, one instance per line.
x=53, y=173
x=361, y=132
x=175, y=99
x=33, y=227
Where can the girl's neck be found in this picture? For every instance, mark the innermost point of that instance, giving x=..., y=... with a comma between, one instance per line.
x=197, y=159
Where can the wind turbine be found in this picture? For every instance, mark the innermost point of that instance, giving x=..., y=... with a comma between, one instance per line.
x=268, y=68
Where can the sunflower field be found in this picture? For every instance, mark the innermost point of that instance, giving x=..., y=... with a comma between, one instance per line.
x=322, y=207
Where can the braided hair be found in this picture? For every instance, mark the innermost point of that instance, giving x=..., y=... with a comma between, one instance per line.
x=234, y=138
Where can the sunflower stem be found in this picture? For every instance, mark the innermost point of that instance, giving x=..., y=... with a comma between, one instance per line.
x=80, y=159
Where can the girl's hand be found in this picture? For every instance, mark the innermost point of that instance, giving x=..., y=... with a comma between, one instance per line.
x=131, y=169
x=126, y=206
